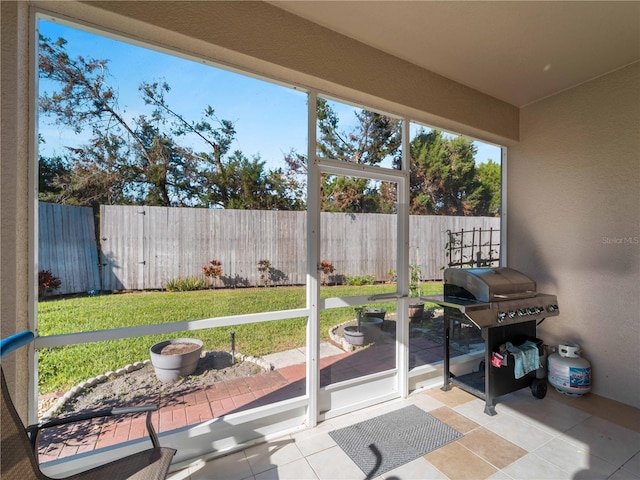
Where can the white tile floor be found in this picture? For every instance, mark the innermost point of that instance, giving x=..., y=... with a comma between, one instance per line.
x=556, y=438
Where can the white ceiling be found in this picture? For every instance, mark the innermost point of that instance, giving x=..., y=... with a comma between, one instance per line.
x=518, y=52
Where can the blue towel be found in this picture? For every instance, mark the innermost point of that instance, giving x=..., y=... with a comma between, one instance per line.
x=526, y=358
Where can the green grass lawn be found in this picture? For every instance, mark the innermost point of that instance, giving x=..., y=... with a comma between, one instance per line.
x=62, y=367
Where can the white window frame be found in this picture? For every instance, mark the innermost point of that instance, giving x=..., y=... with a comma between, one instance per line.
x=285, y=415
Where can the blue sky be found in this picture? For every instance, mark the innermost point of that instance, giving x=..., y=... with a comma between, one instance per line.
x=270, y=119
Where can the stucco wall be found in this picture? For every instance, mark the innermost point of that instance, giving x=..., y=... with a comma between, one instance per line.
x=14, y=191
x=574, y=221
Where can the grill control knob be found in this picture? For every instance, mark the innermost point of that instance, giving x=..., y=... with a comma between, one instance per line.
x=532, y=311
x=501, y=317
x=512, y=313
x=552, y=308
x=522, y=312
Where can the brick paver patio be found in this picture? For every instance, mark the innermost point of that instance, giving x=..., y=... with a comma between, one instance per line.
x=230, y=396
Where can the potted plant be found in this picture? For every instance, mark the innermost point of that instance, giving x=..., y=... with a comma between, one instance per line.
x=213, y=270
x=326, y=269
x=355, y=334
x=374, y=312
x=368, y=326
x=47, y=283
x=176, y=358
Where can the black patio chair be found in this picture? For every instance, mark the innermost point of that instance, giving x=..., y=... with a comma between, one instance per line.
x=18, y=457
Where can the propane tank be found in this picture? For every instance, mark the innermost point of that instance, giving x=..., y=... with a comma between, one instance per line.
x=568, y=372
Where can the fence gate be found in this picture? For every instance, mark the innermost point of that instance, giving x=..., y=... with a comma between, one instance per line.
x=122, y=228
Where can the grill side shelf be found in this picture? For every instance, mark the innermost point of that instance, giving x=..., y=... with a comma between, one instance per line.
x=462, y=304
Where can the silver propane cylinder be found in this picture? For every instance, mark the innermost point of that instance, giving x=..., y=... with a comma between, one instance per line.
x=569, y=373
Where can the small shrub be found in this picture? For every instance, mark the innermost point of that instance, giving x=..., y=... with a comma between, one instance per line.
x=213, y=270
x=264, y=267
x=47, y=282
x=414, y=280
x=326, y=268
x=392, y=275
x=185, y=284
x=359, y=280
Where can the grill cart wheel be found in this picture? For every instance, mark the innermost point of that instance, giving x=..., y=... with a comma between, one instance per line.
x=539, y=387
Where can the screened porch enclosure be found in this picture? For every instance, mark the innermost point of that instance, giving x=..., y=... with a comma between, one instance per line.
x=273, y=304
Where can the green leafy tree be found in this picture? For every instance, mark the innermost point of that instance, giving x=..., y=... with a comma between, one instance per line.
x=374, y=139
x=489, y=195
x=144, y=160
x=443, y=175
x=51, y=170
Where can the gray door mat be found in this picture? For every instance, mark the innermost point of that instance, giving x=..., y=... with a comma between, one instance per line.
x=388, y=441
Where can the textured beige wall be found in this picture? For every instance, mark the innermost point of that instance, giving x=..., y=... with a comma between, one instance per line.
x=574, y=221
x=14, y=188
x=267, y=40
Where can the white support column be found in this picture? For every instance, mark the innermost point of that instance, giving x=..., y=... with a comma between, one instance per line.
x=402, y=322
x=503, y=208
x=313, y=263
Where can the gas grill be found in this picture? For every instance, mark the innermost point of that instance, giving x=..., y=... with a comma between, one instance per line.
x=504, y=304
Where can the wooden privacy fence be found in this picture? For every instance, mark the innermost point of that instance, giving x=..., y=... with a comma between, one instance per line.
x=67, y=246
x=145, y=247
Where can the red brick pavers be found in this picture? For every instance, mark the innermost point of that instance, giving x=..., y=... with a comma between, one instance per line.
x=200, y=405
x=229, y=396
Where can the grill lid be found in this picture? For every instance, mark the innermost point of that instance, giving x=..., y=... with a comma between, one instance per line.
x=487, y=284
x=491, y=297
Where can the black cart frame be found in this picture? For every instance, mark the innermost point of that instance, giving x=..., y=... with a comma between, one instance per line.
x=490, y=382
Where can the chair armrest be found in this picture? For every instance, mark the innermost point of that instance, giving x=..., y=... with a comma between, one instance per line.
x=9, y=344
x=34, y=430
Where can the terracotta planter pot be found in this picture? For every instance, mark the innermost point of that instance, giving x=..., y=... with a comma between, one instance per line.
x=174, y=359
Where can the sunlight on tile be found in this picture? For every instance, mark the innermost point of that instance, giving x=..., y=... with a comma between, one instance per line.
x=606, y=440
x=456, y=461
x=296, y=470
x=528, y=439
x=496, y=450
x=231, y=466
x=574, y=459
x=533, y=467
x=454, y=419
x=451, y=398
x=419, y=468
x=265, y=456
x=334, y=464
x=519, y=432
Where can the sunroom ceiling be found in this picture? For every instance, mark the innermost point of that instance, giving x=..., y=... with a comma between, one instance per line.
x=519, y=52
